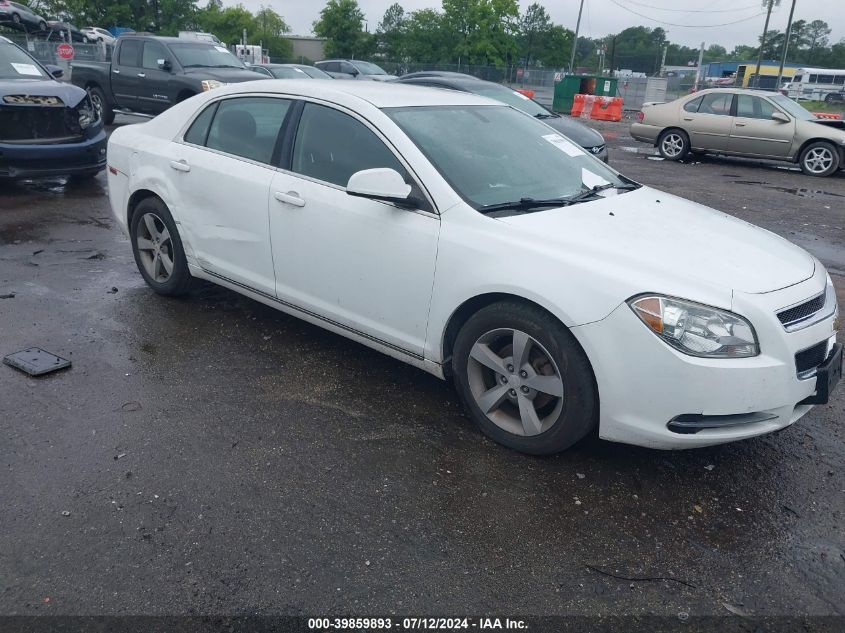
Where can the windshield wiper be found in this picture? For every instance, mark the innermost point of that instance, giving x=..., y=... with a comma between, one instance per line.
x=525, y=204
x=545, y=115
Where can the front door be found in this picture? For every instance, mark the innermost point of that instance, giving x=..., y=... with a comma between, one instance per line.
x=710, y=126
x=155, y=94
x=224, y=173
x=126, y=74
x=755, y=133
x=365, y=265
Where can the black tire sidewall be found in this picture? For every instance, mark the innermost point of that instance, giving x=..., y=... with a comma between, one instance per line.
x=834, y=166
x=580, y=407
x=683, y=135
x=106, y=111
x=180, y=279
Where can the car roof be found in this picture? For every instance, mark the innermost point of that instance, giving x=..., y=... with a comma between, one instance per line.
x=379, y=94
x=737, y=91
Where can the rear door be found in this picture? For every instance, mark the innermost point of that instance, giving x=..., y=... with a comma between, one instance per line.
x=155, y=93
x=126, y=73
x=755, y=133
x=709, y=126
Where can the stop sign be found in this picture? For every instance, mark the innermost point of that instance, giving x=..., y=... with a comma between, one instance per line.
x=65, y=51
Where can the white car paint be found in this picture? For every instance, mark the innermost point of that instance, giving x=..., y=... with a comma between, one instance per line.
x=391, y=278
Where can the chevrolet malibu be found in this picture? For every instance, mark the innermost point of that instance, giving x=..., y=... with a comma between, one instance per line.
x=471, y=240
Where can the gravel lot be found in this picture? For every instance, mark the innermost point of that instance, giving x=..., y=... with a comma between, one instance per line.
x=210, y=455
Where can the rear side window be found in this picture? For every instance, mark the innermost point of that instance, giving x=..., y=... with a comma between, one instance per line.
x=198, y=132
x=825, y=79
x=716, y=103
x=248, y=127
x=813, y=78
x=331, y=146
x=130, y=52
x=692, y=106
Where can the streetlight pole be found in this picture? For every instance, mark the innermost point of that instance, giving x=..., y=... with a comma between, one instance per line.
x=575, y=41
x=785, y=44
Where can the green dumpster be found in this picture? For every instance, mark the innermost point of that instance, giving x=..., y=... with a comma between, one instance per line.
x=571, y=85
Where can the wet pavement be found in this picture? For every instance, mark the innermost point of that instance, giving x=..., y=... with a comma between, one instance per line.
x=211, y=455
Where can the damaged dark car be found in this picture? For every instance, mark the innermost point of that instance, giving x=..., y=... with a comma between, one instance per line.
x=47, y=128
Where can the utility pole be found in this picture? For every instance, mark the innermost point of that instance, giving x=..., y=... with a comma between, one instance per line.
x=785, y=44
x=575, y=41
x=771, y=3
x=698, y=69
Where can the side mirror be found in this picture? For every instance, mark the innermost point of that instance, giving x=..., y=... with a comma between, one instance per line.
x=780, y=117
x=164, y=64
x=55, y=71
x=381, y=184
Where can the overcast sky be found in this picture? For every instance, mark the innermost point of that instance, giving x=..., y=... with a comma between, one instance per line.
x=607, y=16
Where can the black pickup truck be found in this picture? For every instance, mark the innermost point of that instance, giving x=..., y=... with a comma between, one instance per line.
x=148, y=74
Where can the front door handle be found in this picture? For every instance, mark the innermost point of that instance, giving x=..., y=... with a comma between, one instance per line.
x=739, y=124
x=687, y=118
x=291, y=197
x=115, y=71
x=180, y=165
x=142, y=75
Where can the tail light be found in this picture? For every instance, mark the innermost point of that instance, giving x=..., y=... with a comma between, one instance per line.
x=640, y=116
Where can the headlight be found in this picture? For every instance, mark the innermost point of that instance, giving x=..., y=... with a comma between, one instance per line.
x=211, y=84
x=695, y=329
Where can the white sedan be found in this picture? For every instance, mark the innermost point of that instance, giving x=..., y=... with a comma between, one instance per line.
x=469, y=239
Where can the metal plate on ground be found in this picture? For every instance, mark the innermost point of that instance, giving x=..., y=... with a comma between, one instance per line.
x=36, y=361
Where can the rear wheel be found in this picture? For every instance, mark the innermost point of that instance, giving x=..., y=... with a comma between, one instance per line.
x=819, y=159
x=673, y=144
x=16, y=18
x=524, y=379
x=98, y=98
x=158, y=249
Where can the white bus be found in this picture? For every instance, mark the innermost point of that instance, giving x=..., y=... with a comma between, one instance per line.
x=815, y=83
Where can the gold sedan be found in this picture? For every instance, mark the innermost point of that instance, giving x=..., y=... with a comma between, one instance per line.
x=749, y=123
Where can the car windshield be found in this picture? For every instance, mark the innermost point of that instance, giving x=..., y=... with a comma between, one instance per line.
x=495, y=154
x=366, y=68
x=316, y=73
x=792, y=108
x=16, y=64
x=204, y=56
x=288, y=72
x=512, y=98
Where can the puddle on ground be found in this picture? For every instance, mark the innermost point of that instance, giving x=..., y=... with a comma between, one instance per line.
x=801, y=192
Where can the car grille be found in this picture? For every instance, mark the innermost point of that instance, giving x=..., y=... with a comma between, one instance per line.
x=802, y=311
x=807, y=360
x=33, y=124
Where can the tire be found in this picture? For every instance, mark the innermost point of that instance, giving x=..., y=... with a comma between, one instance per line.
x=42, y=25
x=819, y=159
x=16, y=18
x=556, y=380
x=155, y=240
x=98, y=97
x=828, y=99
x=673, y=144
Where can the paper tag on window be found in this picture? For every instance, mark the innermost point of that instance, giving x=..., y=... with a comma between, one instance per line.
x=591, y=180
x=27, y=69
x=222, y=49
x=563, y=145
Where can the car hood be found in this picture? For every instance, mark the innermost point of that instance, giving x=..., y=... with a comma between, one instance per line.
x=656, y=242
x=69, y=94
x=226, y=75
x=575, y=130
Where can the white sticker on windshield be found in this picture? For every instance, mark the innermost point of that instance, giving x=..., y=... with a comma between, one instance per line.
x=27, y=69
x=222, y=49
x=591, y=180
x=563, y=145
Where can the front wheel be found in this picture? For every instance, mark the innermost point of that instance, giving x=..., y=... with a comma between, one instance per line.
x=673, y=144
x=524, y=379
x=101, y=104
x=42, y=26
x=158, y=249
x=819, y=159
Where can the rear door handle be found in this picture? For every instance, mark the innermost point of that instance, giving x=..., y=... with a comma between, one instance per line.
x=291, y=197
x=180, y=165
x=687, y=118
x=142, y=75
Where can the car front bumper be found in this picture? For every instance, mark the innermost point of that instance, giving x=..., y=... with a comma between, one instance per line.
x=644, y=385
x=37, y=160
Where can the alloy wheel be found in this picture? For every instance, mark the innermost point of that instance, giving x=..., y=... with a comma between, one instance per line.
x=515, y=382
x=155, y=247
x=818, y=160
x=672, y=144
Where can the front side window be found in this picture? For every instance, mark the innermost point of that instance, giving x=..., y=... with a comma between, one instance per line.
x=813, y=78
x=693, y=105
x=716, y=103
x=797, y=79
x=366, y=68
x=496, y=154
x=247, y=127
x=790, y=107
x=331, y=146
x=153, y=51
